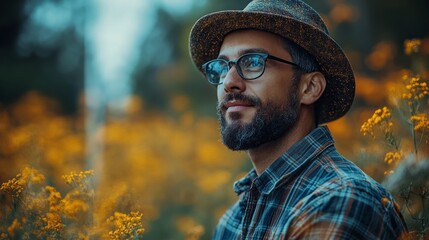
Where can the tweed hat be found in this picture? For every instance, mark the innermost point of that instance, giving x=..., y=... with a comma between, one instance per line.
x=292, y=19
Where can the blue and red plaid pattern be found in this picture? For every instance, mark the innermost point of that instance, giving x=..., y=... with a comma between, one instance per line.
x=311, y=192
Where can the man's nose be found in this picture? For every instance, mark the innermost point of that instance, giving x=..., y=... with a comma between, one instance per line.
x=233, y=82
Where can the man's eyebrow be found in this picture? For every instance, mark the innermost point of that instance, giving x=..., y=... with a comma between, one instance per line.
x=245, y=51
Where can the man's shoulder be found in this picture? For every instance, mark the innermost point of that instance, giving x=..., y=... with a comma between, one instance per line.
x=350, y=198
x=337, y=173
x=331, y=174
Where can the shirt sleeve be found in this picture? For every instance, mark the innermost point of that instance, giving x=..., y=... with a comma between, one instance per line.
x=347, y=213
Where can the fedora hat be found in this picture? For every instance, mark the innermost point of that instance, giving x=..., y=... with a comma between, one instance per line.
x=292, y=19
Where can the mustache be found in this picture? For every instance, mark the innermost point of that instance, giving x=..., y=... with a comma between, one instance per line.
x=251, y=100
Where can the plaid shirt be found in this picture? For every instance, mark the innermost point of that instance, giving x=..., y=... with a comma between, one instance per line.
x=311, y=192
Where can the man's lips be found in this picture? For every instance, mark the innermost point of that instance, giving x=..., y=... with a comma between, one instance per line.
x=236, y=105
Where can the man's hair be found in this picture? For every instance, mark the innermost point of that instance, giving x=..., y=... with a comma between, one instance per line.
x=307, y=63
x=301, y=57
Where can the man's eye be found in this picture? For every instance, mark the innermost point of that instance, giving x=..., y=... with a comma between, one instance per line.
x=252, y=64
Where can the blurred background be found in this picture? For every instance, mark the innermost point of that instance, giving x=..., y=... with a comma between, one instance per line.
x=109, y=86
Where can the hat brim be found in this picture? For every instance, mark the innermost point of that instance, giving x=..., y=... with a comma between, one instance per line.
x=209, y=31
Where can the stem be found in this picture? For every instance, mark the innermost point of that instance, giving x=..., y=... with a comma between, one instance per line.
x=424, y=221
x=421, y=139
x=413, y=134
x=414, y=110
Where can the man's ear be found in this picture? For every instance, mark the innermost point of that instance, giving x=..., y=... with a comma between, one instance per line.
x=312, y=87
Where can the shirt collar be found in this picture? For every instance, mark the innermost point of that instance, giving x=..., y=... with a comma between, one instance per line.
x=289, y=162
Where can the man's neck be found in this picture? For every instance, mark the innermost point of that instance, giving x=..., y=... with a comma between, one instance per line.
x=264, y=155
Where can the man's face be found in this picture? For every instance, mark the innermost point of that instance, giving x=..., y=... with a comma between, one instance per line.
x=255, y=112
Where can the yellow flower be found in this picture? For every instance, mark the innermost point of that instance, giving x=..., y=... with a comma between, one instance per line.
x=420, y=122
x=381, y=118
x=75, y=208
x=16, y=185
x=381, y=121
x=13, y=187
x=54, y=195
x=3, y=236
x=15, y=226
x=195, y=233
x=52, y=219
x=32, y=175
x=192, y=229
x=415, y=89
x=127, y=226
x=391, y=157
x=79, y=179
x=412, y=45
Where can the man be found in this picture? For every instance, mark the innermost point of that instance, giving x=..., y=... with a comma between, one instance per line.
x=278, y=76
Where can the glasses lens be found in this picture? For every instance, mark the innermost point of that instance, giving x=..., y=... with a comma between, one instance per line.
x=252, y=65
x=216, y=70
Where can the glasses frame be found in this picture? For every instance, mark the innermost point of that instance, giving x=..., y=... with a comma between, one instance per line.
x=265, y=57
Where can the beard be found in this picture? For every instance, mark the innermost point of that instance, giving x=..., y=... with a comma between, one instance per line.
x=271, y=121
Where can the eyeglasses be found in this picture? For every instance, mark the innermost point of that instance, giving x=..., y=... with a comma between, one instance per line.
x=249, y=66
